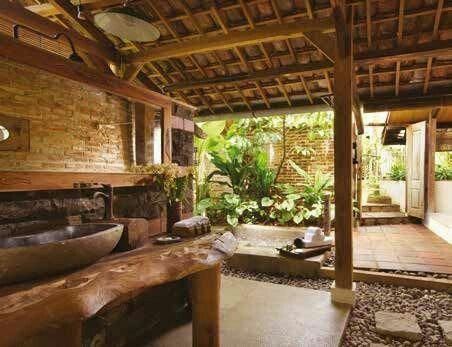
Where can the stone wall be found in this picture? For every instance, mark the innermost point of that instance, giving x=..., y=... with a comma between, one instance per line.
x=63, y=116
x=27, y=212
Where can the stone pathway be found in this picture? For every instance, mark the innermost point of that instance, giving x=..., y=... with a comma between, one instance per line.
x=402, y=325
x=406, y=247
x=446, y=327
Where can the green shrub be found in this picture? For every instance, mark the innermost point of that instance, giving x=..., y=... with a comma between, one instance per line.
x=443, y=173
x=398, y=172
x=254, y=196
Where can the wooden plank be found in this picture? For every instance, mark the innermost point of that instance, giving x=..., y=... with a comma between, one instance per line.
x=323, y=43
x=17, y=14
x=205, y=297
x=434, y=37
x=31, y=308
x=253, y=76
x=28, y=55
x=394, y=279
x=369, y=23
x=271, y=32
x=343, y=128
x=68, y=10
x=434, y=48
x=407, y=103
x=52, y=180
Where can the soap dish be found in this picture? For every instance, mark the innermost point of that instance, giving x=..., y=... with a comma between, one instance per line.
x=168, y=239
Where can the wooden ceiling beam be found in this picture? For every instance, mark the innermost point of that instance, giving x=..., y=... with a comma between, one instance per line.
x=254, y=76
x=434, y=37
x=236, y=98
x=399, y=41
x=86, y=26
x=22, y=53
x=407, y=103
x=434, y=48
x=18, y=15
x=323, y=43
x=233, y=39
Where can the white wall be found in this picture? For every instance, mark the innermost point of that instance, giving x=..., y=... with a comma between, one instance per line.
x=396, y=190
x=443, y=197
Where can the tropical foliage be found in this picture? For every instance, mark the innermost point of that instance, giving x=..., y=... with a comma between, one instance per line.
x=241, y=165
x=397, y=172
x=443, y=170
x=172, y=179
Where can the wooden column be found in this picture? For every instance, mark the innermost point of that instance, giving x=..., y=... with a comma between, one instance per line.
x=205, y=297
x=359, y=148
x=343, y=148
x=430, y=150
x=167, y=140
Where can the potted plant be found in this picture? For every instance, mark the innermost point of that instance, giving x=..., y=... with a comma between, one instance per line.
x=173, y=180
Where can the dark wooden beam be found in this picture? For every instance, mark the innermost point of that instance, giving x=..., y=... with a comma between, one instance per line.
x=271, y=32
x=253, y=76
x=323, y=43
x=407, y=103
x=343, y=173
x=29, y=55
x=68, y=10
x=18, y=15
x=434, y=48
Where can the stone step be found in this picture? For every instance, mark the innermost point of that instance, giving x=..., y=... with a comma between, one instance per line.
x=374, y=207
x=380, y=199
x=383, y=218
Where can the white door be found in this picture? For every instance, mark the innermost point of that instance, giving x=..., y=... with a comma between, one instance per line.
x=415, y=146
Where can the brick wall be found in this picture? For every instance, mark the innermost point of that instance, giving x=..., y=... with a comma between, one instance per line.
x=63, y=119
x=322, y=159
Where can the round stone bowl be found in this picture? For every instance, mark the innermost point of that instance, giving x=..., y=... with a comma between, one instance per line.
x=55, y=251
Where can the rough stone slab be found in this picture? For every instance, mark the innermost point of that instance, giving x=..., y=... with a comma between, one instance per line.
x=402, y=325
x=446, y=327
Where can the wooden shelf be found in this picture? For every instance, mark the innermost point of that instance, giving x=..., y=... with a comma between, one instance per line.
x=42, y=180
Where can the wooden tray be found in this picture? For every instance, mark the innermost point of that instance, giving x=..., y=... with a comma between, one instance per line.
x=303, y=253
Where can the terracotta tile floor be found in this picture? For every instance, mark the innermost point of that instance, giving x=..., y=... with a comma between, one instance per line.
x=409, y=247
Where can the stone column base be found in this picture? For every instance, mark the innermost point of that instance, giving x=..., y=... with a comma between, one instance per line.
x=342, y=295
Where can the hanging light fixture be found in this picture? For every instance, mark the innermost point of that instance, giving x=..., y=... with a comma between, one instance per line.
x=127, y=24
x=74, y=56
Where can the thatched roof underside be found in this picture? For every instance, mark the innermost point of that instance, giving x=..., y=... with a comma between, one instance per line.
x=384, y=31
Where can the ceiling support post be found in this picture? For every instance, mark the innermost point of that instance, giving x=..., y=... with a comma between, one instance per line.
x=343, y=287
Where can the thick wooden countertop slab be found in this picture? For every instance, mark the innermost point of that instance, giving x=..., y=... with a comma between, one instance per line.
x=30, y=308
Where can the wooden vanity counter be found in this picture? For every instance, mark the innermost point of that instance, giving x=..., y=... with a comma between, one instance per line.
x=50, y=312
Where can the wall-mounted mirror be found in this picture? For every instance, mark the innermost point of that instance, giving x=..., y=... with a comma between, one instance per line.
x=4, y=133
x=148, y=134
x=14, y=134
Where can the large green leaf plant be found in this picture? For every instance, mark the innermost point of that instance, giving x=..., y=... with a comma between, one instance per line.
x=253, y=194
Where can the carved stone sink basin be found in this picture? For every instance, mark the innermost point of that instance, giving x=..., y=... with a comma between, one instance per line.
x=54, y=251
